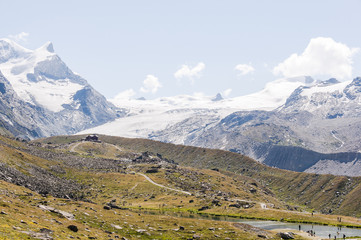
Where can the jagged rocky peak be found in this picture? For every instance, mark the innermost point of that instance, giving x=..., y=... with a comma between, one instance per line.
x=47, y=47
x=39, y=76
x=357, y=81
x=218, y=97
x=43, y=97
x=353, y=89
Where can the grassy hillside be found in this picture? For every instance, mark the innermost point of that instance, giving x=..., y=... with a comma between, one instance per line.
x=23, y=217
x=324, y=193
x=140, y=189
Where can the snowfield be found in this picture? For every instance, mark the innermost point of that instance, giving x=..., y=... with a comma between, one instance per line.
x=146, y=117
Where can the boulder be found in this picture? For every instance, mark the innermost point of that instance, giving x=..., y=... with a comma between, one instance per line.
x=73, y=228
x=203, y=208
x=286, y=235
x=106, y=207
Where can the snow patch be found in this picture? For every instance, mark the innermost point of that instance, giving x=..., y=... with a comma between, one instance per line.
x=308, y=92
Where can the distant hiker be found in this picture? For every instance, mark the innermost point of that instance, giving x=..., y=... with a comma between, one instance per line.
x=329, y=236
x=344, y=236
x=299, y=227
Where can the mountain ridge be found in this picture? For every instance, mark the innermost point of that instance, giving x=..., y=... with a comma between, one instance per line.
x=41, y=97
x=317, y=116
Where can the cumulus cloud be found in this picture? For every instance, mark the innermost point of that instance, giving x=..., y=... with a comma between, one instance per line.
x=323, y=57
x=127, y=94
x=226, y=92
x=150, y=84
x=244, y=69
x=21, y=37
x=187, y=72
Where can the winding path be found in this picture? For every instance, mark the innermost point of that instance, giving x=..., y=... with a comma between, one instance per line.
x=72, y=149
x=134, y=187
x=115, y=147
x=159, y=185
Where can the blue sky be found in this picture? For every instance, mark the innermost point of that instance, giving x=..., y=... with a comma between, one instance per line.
x=165, y=48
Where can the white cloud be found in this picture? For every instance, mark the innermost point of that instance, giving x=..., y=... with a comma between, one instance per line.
x=127, y=94
x=226, y=92
x=150, y=84
x=244, y=68
x=323, y=57
x=187, y=72
x=199, y=94
x=21, y=37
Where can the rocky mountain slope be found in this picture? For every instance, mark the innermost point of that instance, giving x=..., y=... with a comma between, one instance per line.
x=65, y=187
x=40, y=96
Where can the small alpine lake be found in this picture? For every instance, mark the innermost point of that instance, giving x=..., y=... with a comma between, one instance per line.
x=319, y=230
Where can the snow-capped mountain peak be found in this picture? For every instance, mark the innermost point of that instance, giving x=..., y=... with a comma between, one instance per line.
x=39, y=76
x=218, y=97
x=44, y=95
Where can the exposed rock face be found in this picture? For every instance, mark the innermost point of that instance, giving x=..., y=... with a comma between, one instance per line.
x=300, y=159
